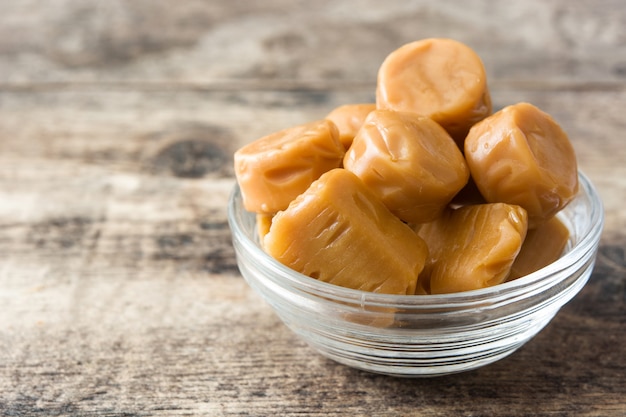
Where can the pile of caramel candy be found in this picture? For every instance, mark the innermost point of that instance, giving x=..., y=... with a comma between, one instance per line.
x=425, y=191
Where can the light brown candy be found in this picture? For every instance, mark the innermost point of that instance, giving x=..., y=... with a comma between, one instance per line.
x=439, y=78
x=542, y=246
x=263, y=223
x=339, y=232
x=349, y=118
x=471, y=247
x=409, y=162
x=520, y=155
x=275, y=169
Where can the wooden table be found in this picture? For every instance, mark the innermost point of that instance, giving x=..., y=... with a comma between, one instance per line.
x=119, y=292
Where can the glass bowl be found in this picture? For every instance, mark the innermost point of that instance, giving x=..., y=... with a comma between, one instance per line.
x=421, y=335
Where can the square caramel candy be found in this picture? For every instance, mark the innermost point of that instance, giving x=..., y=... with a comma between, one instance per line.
x=409, y=161
x=276, y=168
x=520, y=155
x=339, y=232
x=472, y=247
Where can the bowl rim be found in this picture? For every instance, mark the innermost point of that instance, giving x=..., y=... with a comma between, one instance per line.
x=535, y=282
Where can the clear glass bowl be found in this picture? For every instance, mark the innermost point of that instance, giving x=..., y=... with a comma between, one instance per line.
x=421, y=335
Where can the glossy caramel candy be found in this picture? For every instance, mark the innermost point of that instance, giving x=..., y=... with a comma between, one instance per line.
x=439, y=78
x=409, y=162
x=520, y=155
x=471, y=247
x=339, y=232
x=542, y=246
x=263, y=223
x=349, y=118
x=275, y=169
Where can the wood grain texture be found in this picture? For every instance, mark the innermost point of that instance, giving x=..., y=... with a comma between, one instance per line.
x=149, y=41
x=119, y=291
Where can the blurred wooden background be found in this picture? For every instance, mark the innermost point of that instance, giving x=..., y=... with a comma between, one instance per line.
x=119, y=292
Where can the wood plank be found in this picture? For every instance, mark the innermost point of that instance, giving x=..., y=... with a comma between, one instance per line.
x=141, y=41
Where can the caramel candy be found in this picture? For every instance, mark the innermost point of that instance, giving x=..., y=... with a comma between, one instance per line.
x=349, y=118
x=542, y=246
x=471, y=247
x=339, y=232
x=409, y=162
x=263, y=223
x=520, y=155
x=439, y=78
x=275, y=169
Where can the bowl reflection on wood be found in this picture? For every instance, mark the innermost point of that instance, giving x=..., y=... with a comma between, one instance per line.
x=421, y=335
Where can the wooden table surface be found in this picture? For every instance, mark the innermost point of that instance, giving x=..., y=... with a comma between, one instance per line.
x=119, y=291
